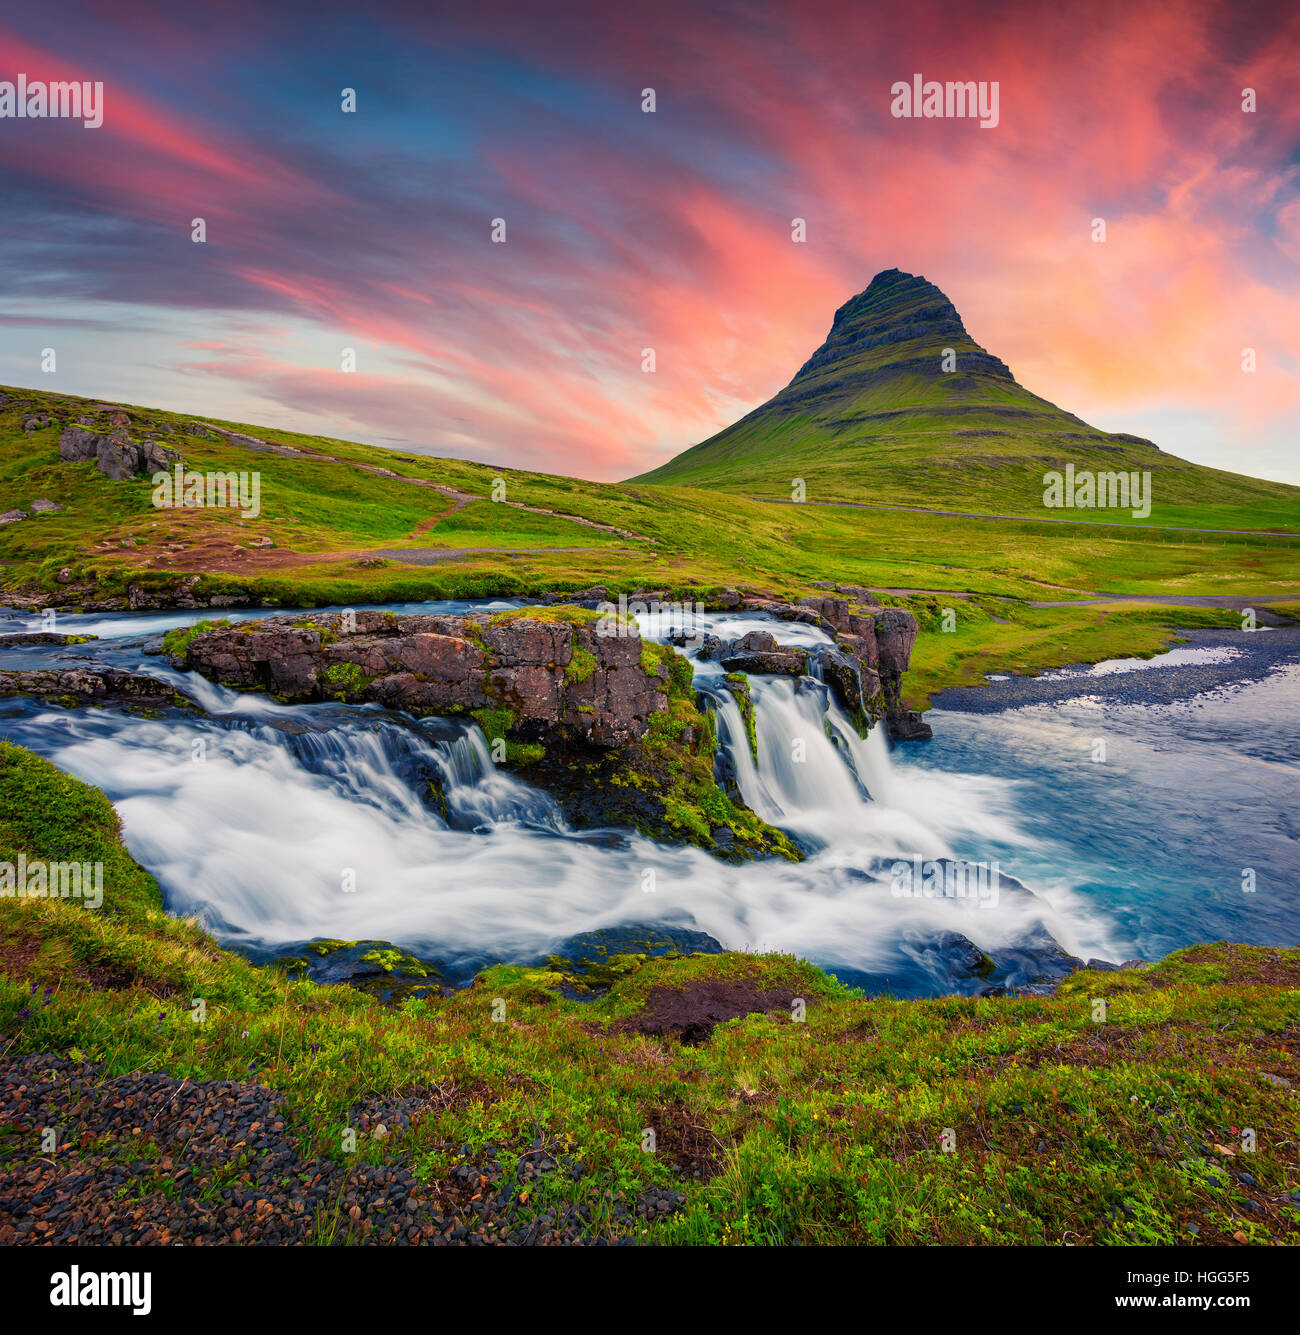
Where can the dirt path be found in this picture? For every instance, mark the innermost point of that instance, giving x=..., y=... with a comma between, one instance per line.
x=461, y=498
x=1233, y=600
x=1032, y=519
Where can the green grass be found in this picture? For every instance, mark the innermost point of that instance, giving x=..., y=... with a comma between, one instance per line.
x=1004, y=636
x=884, y=423
x=830, y=1130
x=691, y=541
x=177, y=641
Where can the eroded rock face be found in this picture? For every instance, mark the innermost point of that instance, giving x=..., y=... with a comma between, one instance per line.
x=97, y=686
x=114, y=452
x=558, y=679
x=896, y=631
x=873, y=646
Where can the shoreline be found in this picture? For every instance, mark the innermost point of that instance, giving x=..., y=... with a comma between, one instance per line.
x=1260, y=653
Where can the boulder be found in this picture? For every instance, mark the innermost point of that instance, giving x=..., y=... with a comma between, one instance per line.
x=12, y=516
x=44, y=507
x=115, y=453
x=758, y=651
x=907, y=725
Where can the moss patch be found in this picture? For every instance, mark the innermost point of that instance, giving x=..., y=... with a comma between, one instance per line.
x=343, y=679
x=176, y=642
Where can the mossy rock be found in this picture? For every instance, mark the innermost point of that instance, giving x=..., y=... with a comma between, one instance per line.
x=377, y=968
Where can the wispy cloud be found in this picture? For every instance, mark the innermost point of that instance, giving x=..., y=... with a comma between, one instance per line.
x=670, y=230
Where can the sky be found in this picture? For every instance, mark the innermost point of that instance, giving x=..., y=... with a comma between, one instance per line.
x=627, y=230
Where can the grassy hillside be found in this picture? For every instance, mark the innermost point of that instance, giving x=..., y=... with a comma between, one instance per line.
x=766, y=1129
x=875, y=417
x=349, y=523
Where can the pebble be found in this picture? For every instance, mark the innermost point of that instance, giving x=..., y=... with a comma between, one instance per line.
x=86, y=1193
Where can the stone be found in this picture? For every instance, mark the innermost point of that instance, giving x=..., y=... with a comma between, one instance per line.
x=448, y=664
x=758, y=651
x=854, y=684
x=896, y=631
x=91, y=686
x=115, y=454
x=44, y=507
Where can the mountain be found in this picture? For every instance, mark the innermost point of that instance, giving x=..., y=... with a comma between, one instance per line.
x=900, y=406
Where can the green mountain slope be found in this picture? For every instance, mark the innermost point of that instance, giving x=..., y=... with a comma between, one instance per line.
x=900, y=406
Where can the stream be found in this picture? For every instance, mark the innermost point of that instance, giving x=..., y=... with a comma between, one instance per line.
x=276, y=824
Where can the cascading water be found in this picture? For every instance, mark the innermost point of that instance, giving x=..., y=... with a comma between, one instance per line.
x=259, y=818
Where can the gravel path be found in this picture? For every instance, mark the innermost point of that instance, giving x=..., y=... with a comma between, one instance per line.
x=148, y=1159
x=1031, y=519
x=1260, y=653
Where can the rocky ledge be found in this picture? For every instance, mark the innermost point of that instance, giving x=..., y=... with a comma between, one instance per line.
x=114, y=452
x=547, y=668
x=92, y=686
x=864, y=666
x=607, y=723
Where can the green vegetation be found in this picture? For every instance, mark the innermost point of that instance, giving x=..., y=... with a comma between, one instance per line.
x=829, y=1130
x=1005, y=636
x=883, y=421
x=327, y=516
x=344, y=679
x=693, y=543
x=738, y=684
x=662, y=785
x=177, y=641
x=581, y=665
x=496, y=724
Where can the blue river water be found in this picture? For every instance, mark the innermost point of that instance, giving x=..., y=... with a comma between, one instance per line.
x=1138, y=807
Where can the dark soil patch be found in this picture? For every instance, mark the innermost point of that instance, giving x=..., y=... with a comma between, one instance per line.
x=400, y=1110
x=117, y=978
x=690, y=1014
x=685, y=1141
x=16, y=953
x=19, y=952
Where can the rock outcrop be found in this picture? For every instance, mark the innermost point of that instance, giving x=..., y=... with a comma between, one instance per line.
x=758, y=651
x=865, y=666
x=114, y=452
x=97, y=686
x=555, y=677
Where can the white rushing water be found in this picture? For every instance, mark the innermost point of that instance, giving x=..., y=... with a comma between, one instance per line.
x=262, y=820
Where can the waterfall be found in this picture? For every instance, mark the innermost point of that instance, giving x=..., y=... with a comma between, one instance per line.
x=278, y=824
x=815, y=777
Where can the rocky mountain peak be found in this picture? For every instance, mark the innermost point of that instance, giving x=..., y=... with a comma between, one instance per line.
x=899, y=323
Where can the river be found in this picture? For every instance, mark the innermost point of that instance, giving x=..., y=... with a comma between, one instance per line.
x=277, y=824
